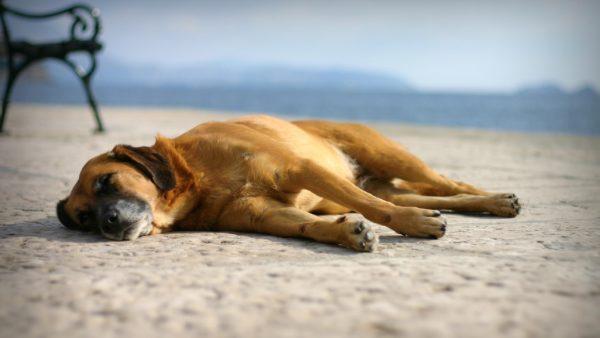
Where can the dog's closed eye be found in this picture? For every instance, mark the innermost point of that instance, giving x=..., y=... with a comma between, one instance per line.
x=103, y=185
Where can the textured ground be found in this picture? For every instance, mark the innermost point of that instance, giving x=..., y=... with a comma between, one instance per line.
x=534, y=276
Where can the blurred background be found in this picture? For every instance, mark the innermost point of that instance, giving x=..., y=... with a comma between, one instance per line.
x=510, y=65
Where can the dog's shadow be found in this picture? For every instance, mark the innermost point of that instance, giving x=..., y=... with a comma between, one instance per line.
x=48, y=228
x=51, y=229
x=400, y=239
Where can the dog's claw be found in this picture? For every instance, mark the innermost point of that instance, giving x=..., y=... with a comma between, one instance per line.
x=504, y=205
x=359, y=228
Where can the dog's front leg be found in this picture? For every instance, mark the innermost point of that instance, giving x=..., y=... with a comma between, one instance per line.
x=264, y=215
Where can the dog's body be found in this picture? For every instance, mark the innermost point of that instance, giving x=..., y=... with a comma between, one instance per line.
x=262, y=174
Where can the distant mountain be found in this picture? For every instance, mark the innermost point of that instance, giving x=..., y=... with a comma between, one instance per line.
x=552, y=89
x=543, y=89
x=586, y=91
x=237, y=74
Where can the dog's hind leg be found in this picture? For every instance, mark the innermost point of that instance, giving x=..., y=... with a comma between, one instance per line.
x=385, y=159
x=411, y=221
x=263, y=215
x=504, y=205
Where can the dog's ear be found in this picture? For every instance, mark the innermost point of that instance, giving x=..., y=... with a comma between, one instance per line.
x=64, y=218
x=150, y=162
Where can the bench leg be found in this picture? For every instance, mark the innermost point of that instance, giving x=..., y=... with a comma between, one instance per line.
x=92, y=103
x=6, y=98
x=86, y=78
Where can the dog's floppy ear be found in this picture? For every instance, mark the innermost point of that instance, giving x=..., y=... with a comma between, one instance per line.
x=64, y=218
x=150, y=162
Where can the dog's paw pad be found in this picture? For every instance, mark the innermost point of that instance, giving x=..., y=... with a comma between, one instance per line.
x=359, y=236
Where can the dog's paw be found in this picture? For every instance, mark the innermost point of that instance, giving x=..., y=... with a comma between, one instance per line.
x=504, y=205
x=358, y=235
x=416, y=222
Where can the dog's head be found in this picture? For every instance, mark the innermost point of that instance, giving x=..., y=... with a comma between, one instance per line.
x=117, y=193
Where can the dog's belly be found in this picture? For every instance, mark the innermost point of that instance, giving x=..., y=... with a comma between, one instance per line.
x=303, y=144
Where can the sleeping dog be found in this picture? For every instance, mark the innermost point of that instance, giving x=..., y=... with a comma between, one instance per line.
x=262, y=174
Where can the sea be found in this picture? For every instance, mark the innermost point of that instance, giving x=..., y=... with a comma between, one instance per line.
x=569, y=114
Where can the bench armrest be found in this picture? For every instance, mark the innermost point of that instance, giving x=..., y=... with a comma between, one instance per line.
x=86, y=19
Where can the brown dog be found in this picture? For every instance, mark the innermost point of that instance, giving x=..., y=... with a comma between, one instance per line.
x=263, y=174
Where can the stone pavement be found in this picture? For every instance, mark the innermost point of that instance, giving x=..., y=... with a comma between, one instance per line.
x=534, y=276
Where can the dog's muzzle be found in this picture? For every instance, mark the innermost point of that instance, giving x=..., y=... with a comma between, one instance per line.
x=124, y=218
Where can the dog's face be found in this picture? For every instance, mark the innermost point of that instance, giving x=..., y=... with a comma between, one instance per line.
x=117, y=193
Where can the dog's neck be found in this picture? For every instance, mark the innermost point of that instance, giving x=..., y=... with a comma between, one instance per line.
x=177, y=203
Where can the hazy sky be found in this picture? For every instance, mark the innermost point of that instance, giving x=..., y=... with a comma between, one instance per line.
x=436, y=45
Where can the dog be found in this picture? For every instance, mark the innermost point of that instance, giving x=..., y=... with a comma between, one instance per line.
x=267, y=175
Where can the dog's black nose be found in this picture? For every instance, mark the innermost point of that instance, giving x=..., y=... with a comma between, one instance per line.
x=110, y=221
x=114, y=218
